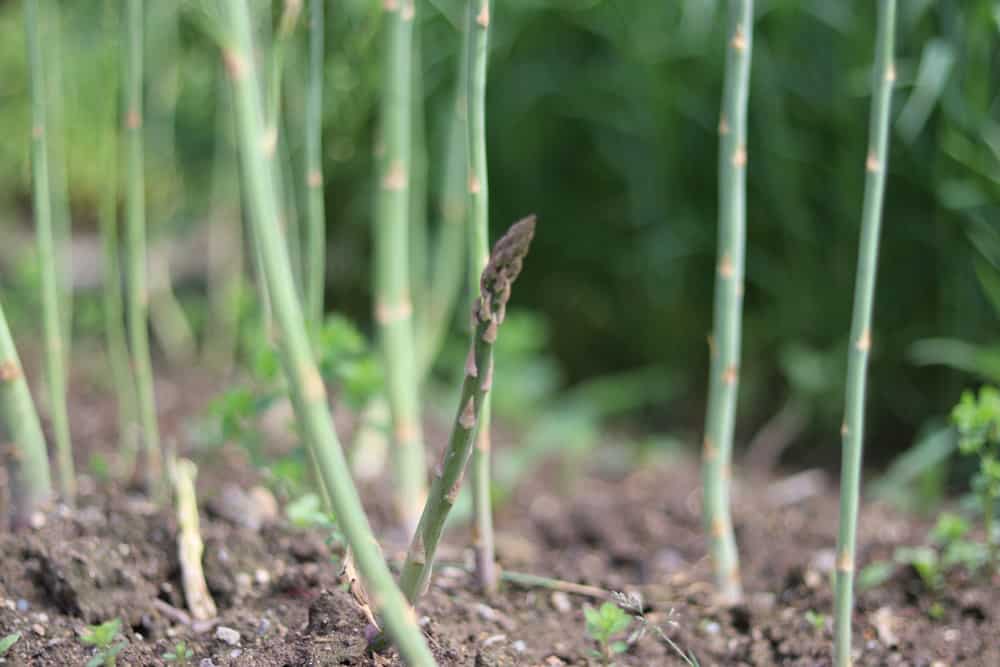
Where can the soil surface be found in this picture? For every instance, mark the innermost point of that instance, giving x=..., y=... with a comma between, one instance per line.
x=280, y=602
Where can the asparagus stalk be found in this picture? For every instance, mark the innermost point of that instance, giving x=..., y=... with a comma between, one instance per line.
x=478, y=30
x=189, y=544
x=852, y=432
x=62, y=223
x=310, y=401
x=53, y=325
x=393, y=308
x=315, y=216
x=135, y=208
x=114, y=309
x=725, y=341
x=416, y=225
x=25, y=455
x=489, y=310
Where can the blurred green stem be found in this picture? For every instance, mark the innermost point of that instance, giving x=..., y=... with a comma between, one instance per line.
x=315, y=215
x=310, y=399
x=477, y=28
x=725, y=342
x=135, y=209
x=25, y=455
x=394, y=306
x=53, y=325
x=852, y=432
x=417, y=223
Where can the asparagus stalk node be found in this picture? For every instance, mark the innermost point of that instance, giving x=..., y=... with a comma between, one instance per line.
x=309, y=395
x=52, y=323
x=24, y=453
x=394, y=306
x=852, y=431
x=478, y=23
x=138, y=278
x=725, y=341
x=488, y=314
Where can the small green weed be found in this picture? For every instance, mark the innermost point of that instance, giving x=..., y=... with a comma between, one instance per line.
x=816, y=620
x=181, y=654
x=7, y=642
x=102, y=637
x=603, y=625
x=978, y=424
x=632, y=603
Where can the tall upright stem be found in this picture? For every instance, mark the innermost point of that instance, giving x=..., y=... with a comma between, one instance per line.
x=852, y=431
x=416, y=225
x=114, y=309
x=53, y=325
x=24, y=453
x=728, y=310
x=135, y=214
x=393, y=306
x=310, y=400
x=477, y=28
x=315, y=216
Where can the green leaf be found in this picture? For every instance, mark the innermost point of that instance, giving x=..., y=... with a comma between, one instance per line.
x=949, y=528
x=102, y=635
x=619, y=647
x=875, y=574
x=7, y=642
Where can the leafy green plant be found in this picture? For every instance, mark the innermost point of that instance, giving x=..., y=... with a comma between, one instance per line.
x=180, y=655
x=978, y=424
x=816, y=620
x=7, y=642
x=103, y=638
x=603, y=625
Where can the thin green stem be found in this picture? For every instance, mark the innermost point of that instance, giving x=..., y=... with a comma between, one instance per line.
x=728, y=309
x=310, y=400
x=113, y=306
x=488, y=314
x=25, y=456
x=394, y=307
x=852, y=432
x=135, y=221
x=417, y=222
x=478, y=15
x=315, y=215
x=53, y=325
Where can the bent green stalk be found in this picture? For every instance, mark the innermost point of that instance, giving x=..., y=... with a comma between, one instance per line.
x=725, y=342
x=310, y=400
x=53, y=325
x=24, y=454
x=135, y=221
x=488, y=313
x=852, y=431
x=477, y=28
x=393, y=305
x=315, y=216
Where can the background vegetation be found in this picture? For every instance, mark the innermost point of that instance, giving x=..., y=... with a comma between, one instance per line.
x=602, y=120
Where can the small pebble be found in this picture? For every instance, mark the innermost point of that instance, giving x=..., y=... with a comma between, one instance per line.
x=711, y=627
x=423, y=620
x=561, y=602
x=23, y=605
x=206, y=662
x=42, y=617
x=235, y=653
x=951, y=635
x=263, y=626
x=554, y=661
x=39, y=629
x=519, y=646
x=490, y=641
x=262, y=577
x=227, y=635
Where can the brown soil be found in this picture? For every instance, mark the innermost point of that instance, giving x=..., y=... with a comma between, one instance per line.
x=115, y=555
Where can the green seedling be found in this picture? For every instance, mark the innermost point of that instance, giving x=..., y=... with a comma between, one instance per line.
x=925, y=562
x=949, y=533
x=7, y=642
x=816, y=620
x=603, y=625
x=632, y=603
x=181, y=654
x=978, y=424
x=102, y=637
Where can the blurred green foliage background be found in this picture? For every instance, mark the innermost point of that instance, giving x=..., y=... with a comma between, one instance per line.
x=602, y=120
